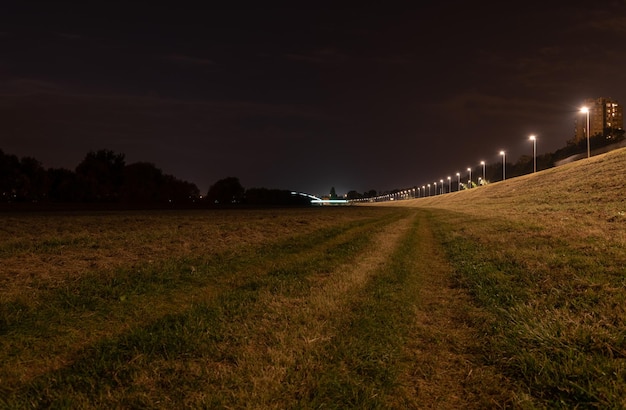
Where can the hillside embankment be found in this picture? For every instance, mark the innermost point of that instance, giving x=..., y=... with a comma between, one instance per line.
x=586, y=198
x=544, y=257
x=590, y=190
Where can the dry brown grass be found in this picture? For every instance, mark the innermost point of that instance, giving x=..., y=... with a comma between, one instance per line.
x=45, y=250
x=44, y=253
x=446, y=371
x=583, y=198
x=273, y=346
x=291, y=327
x=545, y=256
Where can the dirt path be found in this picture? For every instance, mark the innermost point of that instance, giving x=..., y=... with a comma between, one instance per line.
x=446, y=372
x=301, y=325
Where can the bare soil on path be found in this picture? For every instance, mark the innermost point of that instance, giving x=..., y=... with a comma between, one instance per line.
x=445, y=346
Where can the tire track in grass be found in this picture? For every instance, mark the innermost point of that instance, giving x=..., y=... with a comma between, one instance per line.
x=368, y=322
x=407, y=339
x=102, y=305
x=443, y=346
x=283, y=359
x=193, y=333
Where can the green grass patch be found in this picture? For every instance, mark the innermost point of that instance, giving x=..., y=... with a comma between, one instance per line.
x=189, y=349
x=362, y=365
x=557, y=315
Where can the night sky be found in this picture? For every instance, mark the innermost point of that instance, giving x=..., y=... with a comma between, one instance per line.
x=304, y=99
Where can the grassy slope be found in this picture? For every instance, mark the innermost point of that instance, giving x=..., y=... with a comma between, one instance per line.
x=545, y=254
x=592, y=187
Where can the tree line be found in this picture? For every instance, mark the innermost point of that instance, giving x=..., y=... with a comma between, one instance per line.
x=103, y=177
x=230, y=192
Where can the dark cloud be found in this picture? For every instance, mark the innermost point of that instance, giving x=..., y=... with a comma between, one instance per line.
x=304, y=98
x=184, y=59
x=52, y=121
x=321, y=56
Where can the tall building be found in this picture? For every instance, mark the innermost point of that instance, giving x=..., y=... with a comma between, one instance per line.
x=605, y=117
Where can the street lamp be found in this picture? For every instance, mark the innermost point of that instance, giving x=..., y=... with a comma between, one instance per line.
x=435, y=183
x=585, y=110
x=534, y=140
x=503, y=164
x=428, y=189
x=424, y=190
x=442, y=188
x=449, y=185
x=470, y=178
x=458, y=181
x=483, y=164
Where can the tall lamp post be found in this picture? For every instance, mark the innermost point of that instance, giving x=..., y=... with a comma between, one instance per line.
x=428, y=189
x=585, y=110
x=483, y=164
x=449, y=185
x=443, y=190
x=534, y=140
x=458, y=181
x=503, y=164
x=470, y=177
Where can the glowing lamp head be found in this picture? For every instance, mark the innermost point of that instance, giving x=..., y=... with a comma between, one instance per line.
x=584, y=110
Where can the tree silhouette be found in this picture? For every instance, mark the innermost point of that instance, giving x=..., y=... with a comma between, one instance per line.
x=176, y=190
x=9, y=175
x=32, y=180
x=264, y=196
x=63, y=185
x=101, y=175
x=142, y=183
x=226, y=191
x=21, y=179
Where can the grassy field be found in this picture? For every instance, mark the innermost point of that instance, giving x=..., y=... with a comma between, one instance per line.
x=510, y=295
